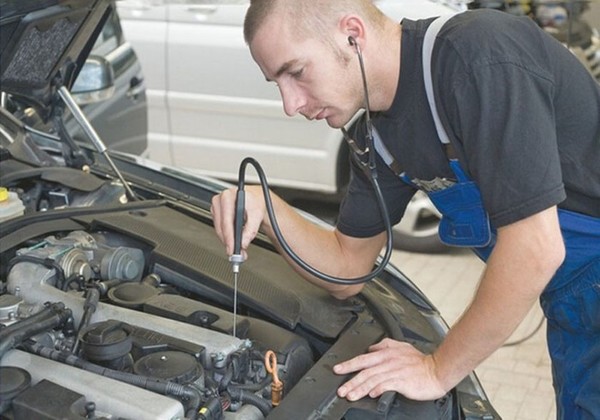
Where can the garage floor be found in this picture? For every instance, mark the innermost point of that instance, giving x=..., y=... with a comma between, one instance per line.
x=517, y=378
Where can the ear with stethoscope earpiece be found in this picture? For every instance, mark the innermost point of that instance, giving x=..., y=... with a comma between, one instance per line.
x=353, y=43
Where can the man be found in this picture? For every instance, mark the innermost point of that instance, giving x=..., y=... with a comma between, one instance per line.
x=523, y=119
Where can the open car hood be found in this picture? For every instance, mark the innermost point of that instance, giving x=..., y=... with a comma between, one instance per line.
x=44, y=44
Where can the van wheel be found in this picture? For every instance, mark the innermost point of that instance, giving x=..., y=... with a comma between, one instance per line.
x=418, y=229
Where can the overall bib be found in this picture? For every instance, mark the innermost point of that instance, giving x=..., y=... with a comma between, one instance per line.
x=571, y=301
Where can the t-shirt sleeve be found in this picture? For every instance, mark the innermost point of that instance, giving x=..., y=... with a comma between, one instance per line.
x=504, y=119
x=360, y=215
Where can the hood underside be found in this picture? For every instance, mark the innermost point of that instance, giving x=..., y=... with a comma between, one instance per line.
x=44, y=44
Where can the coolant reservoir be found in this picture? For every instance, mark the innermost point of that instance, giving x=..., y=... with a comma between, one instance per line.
x=11, y=205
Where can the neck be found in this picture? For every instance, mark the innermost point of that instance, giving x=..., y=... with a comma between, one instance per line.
x=385, y=73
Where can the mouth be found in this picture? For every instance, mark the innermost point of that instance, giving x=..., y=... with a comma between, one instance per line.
x=320, y=115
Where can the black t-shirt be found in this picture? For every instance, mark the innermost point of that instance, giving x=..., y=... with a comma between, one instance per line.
x=522, y=114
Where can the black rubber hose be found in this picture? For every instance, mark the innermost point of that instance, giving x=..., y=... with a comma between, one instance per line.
x=226, y=379
x=290, y=252
x=250, y=398
x=53, y=316
x=92, y=297
x=46, y=262
x=188, y=395
x=253, y=387
x=73, y=278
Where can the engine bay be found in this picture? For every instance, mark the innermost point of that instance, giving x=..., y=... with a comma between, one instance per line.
x=142, y=328
x=117, y=324
x=117, y=309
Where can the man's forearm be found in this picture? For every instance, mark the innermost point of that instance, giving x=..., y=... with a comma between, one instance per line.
x=516, y=274
x=494, y=314
x=323, y=249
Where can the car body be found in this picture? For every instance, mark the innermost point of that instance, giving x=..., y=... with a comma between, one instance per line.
x=117, y=298
x=122, y=119
x=210, y=106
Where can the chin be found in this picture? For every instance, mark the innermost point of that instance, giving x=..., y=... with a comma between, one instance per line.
x=336, y=121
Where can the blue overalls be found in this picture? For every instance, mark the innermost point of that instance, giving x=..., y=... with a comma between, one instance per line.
x=571, y=301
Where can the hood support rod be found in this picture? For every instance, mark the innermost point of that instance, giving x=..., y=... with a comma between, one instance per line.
x=65, y=95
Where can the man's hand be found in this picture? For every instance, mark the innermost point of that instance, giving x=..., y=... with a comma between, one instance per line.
x=391, y=366
x=223, y=211
x=346, y=257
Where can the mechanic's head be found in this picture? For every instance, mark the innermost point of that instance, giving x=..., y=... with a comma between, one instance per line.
x=310, y=18
x=302, y=45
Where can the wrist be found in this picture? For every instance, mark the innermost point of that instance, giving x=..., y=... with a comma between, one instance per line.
x=259, y=198
x=440, y=376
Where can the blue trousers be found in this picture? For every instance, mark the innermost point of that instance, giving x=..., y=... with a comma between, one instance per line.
x=571, y=304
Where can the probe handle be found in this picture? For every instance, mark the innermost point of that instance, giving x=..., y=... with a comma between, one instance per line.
x=240, y=206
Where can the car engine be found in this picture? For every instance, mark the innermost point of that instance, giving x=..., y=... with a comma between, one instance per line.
x=89, y=320
x=105, y=330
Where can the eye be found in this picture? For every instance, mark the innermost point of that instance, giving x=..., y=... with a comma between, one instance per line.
x=297, y=74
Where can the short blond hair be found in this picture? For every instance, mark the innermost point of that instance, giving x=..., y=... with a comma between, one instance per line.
x=312, y=18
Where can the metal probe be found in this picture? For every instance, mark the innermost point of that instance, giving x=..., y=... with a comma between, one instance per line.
x=236, y=258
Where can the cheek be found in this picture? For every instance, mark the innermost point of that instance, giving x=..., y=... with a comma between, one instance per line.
x=329, y=84
x=329, y=90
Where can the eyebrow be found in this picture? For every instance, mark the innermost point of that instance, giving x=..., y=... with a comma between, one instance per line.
x=284, y=67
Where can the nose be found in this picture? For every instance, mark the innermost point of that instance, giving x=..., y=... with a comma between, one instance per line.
x=293, y=100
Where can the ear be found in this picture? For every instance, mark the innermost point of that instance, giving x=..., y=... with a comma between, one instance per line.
x=353, y=26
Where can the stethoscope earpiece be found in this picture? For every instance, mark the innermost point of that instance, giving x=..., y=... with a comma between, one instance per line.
x=354, y=44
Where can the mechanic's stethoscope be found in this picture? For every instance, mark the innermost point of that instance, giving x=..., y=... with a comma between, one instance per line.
x=365, y=158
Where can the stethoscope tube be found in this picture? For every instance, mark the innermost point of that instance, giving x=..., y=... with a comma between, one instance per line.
x=372, y=175
x=290, y=252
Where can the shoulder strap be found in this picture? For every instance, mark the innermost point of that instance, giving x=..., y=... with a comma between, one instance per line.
x=385, y=154
x=428, y=42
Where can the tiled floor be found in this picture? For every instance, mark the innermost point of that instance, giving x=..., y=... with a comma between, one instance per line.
x=517, y=378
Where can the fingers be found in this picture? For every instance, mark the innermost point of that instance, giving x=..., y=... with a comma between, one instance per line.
x=367, y=360
x=390, y=366
x=387, y=343
x=223, y=212
x=364, y=361
x=253, y=220
x=375, y=367
x=366, y=382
